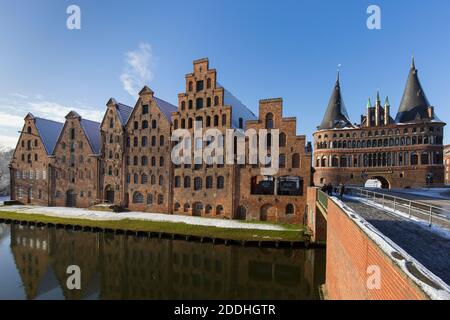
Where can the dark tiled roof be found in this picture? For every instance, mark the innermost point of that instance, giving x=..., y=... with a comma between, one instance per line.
x=414, y=104
x=124, y=112
x=166, y=108
x=49, y=132
x=92, y=131
x=336, y=115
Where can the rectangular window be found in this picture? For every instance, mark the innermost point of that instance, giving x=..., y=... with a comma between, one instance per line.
x=199, y=85
x=145, y=109
x=44, y=175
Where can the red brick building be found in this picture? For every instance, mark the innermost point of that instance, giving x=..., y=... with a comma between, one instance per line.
x=403, y=152
x=126, y=159
x=447, y=164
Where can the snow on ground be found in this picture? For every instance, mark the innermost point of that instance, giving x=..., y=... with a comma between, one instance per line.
x=390, y=247
x=77, y=213
x=445, y=233
x=438, y=193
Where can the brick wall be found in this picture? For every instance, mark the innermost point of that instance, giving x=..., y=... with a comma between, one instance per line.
x=349, y=254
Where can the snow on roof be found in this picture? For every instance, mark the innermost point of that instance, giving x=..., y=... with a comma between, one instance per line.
x=49, y=132
x=166, y=108
x=124, y=112
x=92, y=131
x=239, y=110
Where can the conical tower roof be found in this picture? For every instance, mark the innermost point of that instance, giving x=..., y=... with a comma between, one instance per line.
x=414, y=103
x=336, y=115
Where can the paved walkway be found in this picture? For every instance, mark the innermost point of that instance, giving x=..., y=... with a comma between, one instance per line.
x=77, y=213
x=426, y=246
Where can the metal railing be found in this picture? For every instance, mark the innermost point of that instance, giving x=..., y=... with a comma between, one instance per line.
x=426, y=212
x=322, y=198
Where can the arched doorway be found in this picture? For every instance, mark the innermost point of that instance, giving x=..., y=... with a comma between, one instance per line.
x=264, y=212
x=377, y=182
x=197, y=209
x=109, y=194
x=241, y=213
x=71, y=199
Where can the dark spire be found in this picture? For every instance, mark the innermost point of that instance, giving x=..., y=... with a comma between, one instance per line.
x=414, y=103
x=336, y=115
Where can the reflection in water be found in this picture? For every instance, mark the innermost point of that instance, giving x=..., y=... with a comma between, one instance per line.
x=127, y=267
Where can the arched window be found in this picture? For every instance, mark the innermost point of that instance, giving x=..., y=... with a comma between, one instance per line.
x=144, y=178
x=208, y=209
x=161, y=161
x=186, y=207
x=144, y=124
x=161, y=180
x=224, y=120
x=220, y=182
x=144, y=161
x=136, y=125
x=29, y=130
x=138, y=197
x=219, y=210
x=135, y=141
x=190, y=86
x=149, y=198
x=183, y=123
x=290, y=209
x=424, y=159
x=414, y=159
x=209, y=182
x=177, y=181
x=135, y=161
x=176, y=207
x=187, y=182
x=199, y=103
x=197, y=183
x=161, y=140
x=154, y=124
x=175, y=124
x=208, y=102
x=208, y=83
x=216, y=101
x=153, y=141
x=282, y=161
x=190, y=123
x=269, y=121
x=295, y=160
x=282, y=139
x=183, y=105
x=160, y=199
x=153, y=161
x=190, y=104
x=153, y=179
x=144, y=141
x=208, y=121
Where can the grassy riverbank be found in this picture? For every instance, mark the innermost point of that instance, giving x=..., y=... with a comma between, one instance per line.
x=182, y=229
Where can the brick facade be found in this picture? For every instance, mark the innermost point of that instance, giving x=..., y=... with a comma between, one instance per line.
x=126, y=159
x=404, y=152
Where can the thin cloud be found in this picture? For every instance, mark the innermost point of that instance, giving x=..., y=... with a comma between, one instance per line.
x=13, y=113
x=138, y=69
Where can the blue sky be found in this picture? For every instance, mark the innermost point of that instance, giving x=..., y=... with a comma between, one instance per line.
x=261, y=49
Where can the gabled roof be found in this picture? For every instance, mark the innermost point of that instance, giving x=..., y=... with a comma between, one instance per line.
x=239, y=110
x=336, y=115
x=92, y=131
x=166, y=108
x=414, y=104
x=49, y=132
x=124, y=112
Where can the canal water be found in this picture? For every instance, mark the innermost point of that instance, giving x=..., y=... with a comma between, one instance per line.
x=34, y=262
